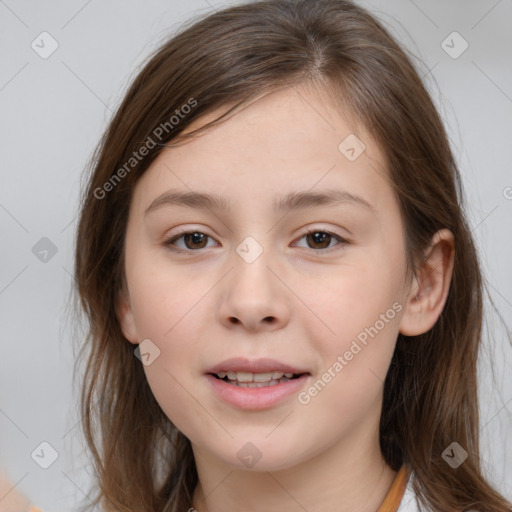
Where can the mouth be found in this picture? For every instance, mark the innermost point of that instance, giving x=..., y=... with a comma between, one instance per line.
x=256, y=385
x=256, y=380
x=256, y=373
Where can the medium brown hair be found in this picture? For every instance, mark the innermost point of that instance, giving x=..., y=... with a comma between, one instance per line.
x=228, y=59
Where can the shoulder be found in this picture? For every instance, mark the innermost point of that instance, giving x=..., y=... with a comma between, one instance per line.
x=409, y=503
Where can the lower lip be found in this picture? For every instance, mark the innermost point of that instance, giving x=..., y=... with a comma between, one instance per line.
x=256, y=398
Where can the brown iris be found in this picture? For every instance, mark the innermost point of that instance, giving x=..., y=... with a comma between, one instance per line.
x=195, y=240
x=318, y=240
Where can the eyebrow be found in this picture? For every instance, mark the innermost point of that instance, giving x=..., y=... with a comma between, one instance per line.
x=290, y=202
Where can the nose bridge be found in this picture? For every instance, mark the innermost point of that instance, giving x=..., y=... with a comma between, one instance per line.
x=253, y=296
x=251, y=279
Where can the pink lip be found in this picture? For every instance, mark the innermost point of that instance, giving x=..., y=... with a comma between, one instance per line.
x=240, y=364
x=256, y=398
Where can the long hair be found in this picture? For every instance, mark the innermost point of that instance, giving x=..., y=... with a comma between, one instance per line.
x=141, y=461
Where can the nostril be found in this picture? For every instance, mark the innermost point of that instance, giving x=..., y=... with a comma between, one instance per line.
x=268, y=319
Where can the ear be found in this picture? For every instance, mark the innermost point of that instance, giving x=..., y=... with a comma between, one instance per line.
x=125, y=316
x=429, y=288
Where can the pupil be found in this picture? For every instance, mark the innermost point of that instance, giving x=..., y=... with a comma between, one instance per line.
x=319, y=238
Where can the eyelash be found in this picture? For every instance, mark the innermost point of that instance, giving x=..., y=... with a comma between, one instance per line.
x=169, y=242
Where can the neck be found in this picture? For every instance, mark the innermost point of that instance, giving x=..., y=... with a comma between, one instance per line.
x=345, y=477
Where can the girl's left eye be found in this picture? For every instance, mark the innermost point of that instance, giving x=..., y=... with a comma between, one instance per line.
x=322, y=240
x=194, y=240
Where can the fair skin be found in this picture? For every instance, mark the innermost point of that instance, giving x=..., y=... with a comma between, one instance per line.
x=302, y=301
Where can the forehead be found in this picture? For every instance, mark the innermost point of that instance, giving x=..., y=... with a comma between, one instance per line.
x=291, y=139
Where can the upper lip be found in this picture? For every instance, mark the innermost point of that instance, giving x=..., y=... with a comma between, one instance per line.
x=265, y=365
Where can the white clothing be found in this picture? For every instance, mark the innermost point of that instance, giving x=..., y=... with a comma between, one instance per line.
x=408, y=503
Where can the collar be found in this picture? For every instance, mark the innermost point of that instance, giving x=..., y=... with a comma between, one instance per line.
x=396, y=491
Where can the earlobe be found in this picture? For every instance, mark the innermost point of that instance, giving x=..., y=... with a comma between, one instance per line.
x=429, y=289
x=125, y=317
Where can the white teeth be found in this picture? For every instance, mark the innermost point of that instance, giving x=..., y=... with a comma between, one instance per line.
x=262, y=379
x=251, y=384
x=258, y=384
x=244, y=377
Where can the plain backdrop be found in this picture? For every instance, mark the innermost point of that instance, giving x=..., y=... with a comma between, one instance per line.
x=53, y=112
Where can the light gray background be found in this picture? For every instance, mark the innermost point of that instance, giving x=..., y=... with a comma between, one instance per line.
x=53, y=112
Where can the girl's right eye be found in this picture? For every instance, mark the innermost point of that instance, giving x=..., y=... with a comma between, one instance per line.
x=188, y=241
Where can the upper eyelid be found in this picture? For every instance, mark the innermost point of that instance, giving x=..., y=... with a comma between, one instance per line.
x=308, y=232
x=202, y=230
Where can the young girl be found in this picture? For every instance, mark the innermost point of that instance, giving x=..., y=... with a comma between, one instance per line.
x=284, y=298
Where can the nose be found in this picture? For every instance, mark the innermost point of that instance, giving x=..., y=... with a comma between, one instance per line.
x=253, y=297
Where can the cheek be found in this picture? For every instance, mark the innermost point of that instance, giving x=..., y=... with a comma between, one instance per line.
x=163, y=297
x=167, y=378
x=174, y=325
x=354, y=362
x=361, y=305
x=170, y=307
x=352, y=298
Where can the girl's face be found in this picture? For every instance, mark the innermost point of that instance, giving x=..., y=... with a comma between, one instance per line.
x=270, y=245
